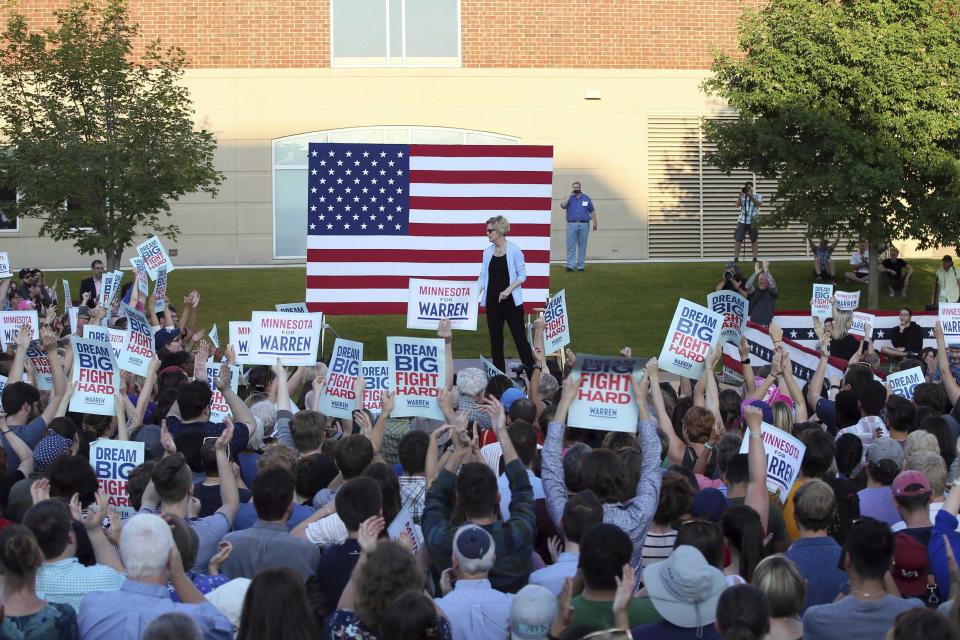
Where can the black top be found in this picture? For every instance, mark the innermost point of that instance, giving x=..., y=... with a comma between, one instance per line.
x=897, y=265
x=845, y=347
x=498, y=279
x=209, y=497
x=910, y=338
x=762, y=302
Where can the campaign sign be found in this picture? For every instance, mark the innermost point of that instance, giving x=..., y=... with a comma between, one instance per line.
x=859, y=322
x=160, y=291
x=949, y=317
x=5, y=265
x=733, y=307
x=556, y=330
x=376, y=377
x=902, y=383
x=138, y=349
x=117, y=338
x=67, y=296
x=112, y=461
x=292, y=337
x=784, y=454
x=847, y=300
x=490, y=369
x=293, y=307
x=140, y=272
x=820, y=303
x=605, y=399
x=96, y=376
x=154, y=257
x=3, y=384
x=417, y=372
x=73, y=312
x=219, y=409
x=340, y=392
x=430, y=301
x=11, y=321
x=107, y=289
x=693, y=331
x=214, y=336
x=41, y=364
x=403, y=524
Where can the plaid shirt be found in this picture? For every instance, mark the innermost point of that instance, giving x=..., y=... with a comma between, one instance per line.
x=393, y=433
x=67, y=581
x=513, y=539
x=748, y=210
x=413, y=491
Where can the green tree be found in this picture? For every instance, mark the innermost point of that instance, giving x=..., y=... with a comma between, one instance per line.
x=853, y=106
x=98, y=137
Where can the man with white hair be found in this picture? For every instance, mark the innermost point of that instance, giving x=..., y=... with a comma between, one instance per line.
x=475, y=609
x=151, y=560
x=471, y=383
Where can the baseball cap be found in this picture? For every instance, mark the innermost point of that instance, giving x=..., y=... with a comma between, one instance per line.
x=709, y=504
x=533, y=611
x=885, y=449
x=910, y=565
x=910, y=483
x=510, y=396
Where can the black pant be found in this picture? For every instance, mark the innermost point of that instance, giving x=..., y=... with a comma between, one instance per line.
x=496, y=314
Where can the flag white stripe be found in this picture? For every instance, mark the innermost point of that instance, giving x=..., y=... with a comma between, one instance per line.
x=433, y=163
x=420, y=243
x=413, y=269
x=443, y=216
x=446, y=190
x=389, y=295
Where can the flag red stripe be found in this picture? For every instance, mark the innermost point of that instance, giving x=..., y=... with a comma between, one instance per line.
x=481, y=151
x=410, y=255
x=381, y=308
x=462, y=230
x=399, y=282
x=450, y=204
x=481, y=177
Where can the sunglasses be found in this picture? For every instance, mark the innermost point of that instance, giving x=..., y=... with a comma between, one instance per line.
x=490, y=230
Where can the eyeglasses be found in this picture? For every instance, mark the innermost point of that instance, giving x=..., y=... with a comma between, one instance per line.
x=490, y=230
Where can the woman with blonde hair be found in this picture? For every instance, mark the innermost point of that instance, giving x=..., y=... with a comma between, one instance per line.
x=843, y=344
x=501, y=274
x=786, y=590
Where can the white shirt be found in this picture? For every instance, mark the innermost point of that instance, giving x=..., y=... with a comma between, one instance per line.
x=934, y=508
x=326, y=531
x=503, y=485
x=477, y=611
x=864, y=430
x=552, y=576
x=858, y=259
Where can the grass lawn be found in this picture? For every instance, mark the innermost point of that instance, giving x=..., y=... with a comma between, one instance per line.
x=610, y=305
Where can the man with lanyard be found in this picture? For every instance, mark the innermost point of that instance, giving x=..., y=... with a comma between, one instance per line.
x=580, y=214
x=748, y=202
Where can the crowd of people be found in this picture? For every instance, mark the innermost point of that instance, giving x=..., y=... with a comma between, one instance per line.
x=279, y=522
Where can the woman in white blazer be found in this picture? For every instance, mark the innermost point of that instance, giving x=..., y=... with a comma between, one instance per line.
x=502, y=273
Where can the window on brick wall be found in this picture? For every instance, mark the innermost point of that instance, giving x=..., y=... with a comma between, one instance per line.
x=290, y=171
x=412, y=33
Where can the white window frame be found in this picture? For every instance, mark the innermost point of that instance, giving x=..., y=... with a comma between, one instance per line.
x=346, y=63
x=274, y=167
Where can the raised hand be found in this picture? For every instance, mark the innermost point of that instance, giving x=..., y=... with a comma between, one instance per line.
x=387, y=402
x=223, y=552
x=96, y=516
x=223, y=441
x=369, y=532
x=166, y=440
x=753, y=416
x=40, y=490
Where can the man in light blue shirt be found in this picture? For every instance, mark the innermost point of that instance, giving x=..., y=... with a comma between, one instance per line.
x=151, y=560
x=580, y=216
x=475, y=609
x=583, y=511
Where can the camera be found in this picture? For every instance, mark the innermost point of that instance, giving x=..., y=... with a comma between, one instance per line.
x=727, y=276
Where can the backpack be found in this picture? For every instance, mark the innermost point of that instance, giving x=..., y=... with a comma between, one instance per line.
x=911, y=570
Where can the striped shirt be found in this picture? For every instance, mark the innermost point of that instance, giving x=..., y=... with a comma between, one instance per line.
x=657, y=547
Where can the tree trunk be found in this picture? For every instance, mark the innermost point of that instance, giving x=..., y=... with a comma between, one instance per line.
x=873, y=288
x=113, y=255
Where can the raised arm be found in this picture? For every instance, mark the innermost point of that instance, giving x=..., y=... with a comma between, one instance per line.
x=746, y=370
x=757, y=496
x=676, y=446
x=554, y=487
x=229, y=494
x=711, y=395
x=796, y=394
x=444, y=331
x=652, y=369
x=241, y=412
x=103, y=551
x=816, y=383
x=946, y=376
x=21, y=448
x=22, y=342
x=775, y=369
x=146, y=392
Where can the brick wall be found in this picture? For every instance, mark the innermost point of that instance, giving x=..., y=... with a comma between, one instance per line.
x=648, y=34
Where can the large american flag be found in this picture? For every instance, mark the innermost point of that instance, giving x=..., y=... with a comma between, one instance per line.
x=380, y=214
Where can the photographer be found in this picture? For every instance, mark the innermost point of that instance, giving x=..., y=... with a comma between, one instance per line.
x=748, y=202
x=732, y=280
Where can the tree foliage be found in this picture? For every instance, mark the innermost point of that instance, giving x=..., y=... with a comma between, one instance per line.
x=99, y=139
x=853, y=106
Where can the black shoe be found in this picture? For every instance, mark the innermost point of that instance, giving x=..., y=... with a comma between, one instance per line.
x=581, y=269
x=569, y=269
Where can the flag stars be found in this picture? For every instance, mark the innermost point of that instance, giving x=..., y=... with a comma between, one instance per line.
x=399, y=154
x=330, y=208
x=349, y=172
x=390, y=181
x=348, y=190
x=339, y=217
x=373, y=164
x=323, y=181
x=390, y=164
x=339, y=180
x=366, y=154
x=313, y=153
x=313, y=226
x=339, y=198
x=356, y=217
x=382, y=208
x=390, y=217
x=349, y=153
x=329, y=226
x=363, y=226
x=313, y=189
x=398, y=227
x=346, y=225
x=383, y=154
x=380, y=226
x=323, y=198
x=313, y=172
x=313, y=207
x=331, y=153
x=339, y=163
x=323, y=163
x=322, y=217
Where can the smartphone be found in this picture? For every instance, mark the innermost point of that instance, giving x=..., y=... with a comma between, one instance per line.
x=213, y=443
